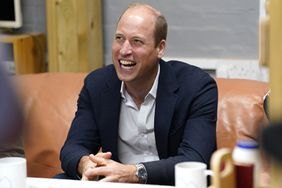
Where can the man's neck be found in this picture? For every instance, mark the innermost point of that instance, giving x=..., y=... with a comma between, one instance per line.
x=138, y=91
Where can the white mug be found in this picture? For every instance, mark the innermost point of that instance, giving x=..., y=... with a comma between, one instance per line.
x=12, y=172
x=191, y=175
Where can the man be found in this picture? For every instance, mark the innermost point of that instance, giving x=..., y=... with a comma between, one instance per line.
x=145, y=114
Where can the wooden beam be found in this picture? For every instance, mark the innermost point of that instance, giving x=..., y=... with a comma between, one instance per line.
x=275, y=67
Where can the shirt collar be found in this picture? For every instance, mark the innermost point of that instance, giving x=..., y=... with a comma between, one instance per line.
x=152, y=92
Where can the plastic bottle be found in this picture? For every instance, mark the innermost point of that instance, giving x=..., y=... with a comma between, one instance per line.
x=247, y=163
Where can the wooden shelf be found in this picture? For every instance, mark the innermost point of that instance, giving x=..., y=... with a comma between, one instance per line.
x=29, y=51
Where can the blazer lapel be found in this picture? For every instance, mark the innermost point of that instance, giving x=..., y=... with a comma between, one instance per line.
x=165, y=104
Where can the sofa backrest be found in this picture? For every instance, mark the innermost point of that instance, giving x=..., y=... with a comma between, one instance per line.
x=49, y=103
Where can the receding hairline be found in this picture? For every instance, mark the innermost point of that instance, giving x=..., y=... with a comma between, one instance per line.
x=149, y=7
x=154, y=11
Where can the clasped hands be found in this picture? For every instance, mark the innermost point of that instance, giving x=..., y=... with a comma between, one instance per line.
x=101, y=167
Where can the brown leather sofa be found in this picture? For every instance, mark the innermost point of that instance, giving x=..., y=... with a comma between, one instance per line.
x=49, y=103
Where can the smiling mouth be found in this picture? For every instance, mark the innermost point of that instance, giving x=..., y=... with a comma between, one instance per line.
x=127, y=64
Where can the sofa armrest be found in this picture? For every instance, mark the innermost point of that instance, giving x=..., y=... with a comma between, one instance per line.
x=240, y=110
x=49, y=104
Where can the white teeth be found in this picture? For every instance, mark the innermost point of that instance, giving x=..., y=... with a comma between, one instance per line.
x=127, y=63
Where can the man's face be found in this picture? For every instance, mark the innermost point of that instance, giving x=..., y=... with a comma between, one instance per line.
x=134, y=54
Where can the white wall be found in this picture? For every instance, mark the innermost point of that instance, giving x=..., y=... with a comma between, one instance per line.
x=217, y=29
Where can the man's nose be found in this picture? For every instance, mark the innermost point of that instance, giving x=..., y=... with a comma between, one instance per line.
x=126, y=48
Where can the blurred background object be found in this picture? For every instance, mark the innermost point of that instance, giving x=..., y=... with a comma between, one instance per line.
x=11, y=119
x=273, y=134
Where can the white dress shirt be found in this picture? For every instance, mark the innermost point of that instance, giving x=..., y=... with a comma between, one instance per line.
x=136, y=141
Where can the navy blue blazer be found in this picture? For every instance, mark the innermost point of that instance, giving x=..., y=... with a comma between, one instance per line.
x=185, y=119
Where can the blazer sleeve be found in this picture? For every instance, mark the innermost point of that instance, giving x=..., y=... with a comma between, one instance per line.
x=83, y=137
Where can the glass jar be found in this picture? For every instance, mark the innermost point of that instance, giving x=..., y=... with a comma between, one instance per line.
x=247, y=163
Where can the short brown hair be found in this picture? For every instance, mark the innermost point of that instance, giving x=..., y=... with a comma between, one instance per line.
x=160, y=29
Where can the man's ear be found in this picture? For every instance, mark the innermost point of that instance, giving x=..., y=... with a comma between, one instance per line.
x=161, y=48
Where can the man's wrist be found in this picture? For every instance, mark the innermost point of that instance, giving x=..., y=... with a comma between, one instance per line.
x=141, y=173
x=82, y=165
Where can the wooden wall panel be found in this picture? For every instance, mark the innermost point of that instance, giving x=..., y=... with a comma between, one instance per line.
x=275, y=67
x=275, y=64
x=74, y=35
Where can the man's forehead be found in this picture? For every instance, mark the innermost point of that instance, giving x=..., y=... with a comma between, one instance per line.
x=141, y=11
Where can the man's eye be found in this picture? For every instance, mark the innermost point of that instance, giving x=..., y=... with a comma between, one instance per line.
x=137, y=42
x=118, y=38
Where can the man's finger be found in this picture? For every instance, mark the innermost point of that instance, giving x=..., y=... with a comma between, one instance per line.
x=108, y=179
x=101, y=171
x=84, y=178
x=106, y=155
x=100, y=161
x=89, y=175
